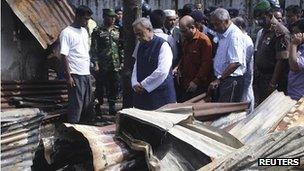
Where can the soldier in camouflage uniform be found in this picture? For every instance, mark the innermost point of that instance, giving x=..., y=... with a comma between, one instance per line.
x=107, y=55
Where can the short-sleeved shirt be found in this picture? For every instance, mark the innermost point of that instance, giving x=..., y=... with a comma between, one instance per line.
x=273, y=41
x=296, y=79
x=196, y=61
x=230, y=50
x=74, y=44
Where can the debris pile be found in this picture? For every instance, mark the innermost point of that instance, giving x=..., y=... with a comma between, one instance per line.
x=221, y=136
x=20, y=137
x=49, y=96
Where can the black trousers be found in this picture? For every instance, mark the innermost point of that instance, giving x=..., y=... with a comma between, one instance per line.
x=107, y=84
x=261, y=86
x=231, y=89
x=80, y=97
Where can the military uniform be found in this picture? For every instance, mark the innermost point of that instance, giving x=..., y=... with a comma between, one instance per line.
x=272, y=42
x=107, y=54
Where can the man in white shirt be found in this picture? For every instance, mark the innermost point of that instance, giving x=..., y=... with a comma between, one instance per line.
x=76, y=62
x=151, y=79
x=248, y=94
x=230, y=59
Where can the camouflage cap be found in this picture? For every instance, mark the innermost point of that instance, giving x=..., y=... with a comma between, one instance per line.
x=108, y=12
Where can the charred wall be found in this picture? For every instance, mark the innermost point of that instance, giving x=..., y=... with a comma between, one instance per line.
x=22, y=57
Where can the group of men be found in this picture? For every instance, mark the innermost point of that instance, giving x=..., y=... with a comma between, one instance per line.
x=85, y=50
x=178, y=57
x=218, y=57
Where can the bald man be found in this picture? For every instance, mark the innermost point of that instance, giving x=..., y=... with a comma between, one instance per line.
x=196, y=63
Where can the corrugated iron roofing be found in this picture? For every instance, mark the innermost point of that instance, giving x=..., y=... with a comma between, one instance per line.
x=286, y=144
x=44, y=18
x=295, y=117
x=19, y=140
x=109, y=153
x=264, y=118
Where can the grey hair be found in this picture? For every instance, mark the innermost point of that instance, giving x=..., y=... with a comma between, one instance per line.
x=221, y=14
x=144, y=22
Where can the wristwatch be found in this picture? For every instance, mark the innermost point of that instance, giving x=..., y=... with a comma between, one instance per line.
x=220, y=78
x=273, y=85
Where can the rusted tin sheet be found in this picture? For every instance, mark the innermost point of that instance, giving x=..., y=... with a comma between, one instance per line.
x=108, y=151
x=173, y=141
x=209, y=111
x=205, y=111
x=263, y=118
x=44, y=18
x=295, y=117
x=287, y=144
x=19, y=139
x=48, y=95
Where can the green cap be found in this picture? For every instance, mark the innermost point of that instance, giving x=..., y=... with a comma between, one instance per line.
x=263, y=5
x=109, y=12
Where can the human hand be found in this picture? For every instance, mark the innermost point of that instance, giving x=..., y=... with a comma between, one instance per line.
x=191, y=87
x=175, y=71
x=70, y=82
x=271, y=88
x=138, y=88
x=214, y=84
x=297, y=39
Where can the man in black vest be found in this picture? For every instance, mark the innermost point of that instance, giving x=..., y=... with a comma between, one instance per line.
x=151, y=79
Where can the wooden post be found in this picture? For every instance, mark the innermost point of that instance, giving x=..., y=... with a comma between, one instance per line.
x=132, y=10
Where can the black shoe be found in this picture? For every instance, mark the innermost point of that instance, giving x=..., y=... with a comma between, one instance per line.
x=112, y=110
x=97, y=109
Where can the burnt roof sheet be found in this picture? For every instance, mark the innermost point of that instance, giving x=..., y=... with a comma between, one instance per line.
x=44, y=18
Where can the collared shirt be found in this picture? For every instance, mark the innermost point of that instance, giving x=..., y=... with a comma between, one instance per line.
x=168, y=38
x=169, y=32
x=158, y=76
x=207, y=30
x=196, y=61
x=175, y=32
x=296, y=79
x=230, y=50
x=273, y=41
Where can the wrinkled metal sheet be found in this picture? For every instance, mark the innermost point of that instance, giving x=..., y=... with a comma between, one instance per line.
x=108, y=152
x=264, y=118
x=205, y=111
x=16, y=114
x=211, y=111
x=44, y=18
x=172, y=140
x=295, y=117
x=227, y=122
x=286, y=144
x=19, y=141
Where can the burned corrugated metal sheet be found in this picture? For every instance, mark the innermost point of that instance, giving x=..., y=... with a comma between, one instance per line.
x=202, y=110
x=173, y=141
x=105, y=150
x=19, y=141
x=49, y=96
x=287, y=144
x=295, y=117
x=44, y=18
x=266, y=116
